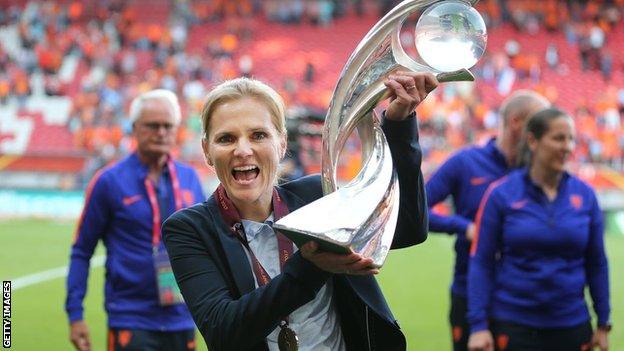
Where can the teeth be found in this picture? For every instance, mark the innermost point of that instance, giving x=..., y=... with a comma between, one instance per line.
x=244, y=168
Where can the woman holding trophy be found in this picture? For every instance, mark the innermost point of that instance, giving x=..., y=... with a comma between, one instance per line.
x=245, y=283
x=248, y=287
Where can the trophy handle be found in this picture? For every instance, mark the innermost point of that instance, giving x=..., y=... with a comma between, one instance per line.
x=455, y=76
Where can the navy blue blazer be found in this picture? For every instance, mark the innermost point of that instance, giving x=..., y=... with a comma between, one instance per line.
x=217, y=283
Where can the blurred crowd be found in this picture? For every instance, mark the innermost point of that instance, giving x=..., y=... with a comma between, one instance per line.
x=102, y=54
x=584, y=24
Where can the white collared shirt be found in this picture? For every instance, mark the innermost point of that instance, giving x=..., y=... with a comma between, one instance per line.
x=316, y=323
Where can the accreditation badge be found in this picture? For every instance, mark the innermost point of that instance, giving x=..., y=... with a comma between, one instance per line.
x=168, y=290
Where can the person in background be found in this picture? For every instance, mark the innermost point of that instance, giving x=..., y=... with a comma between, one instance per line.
x=248, y=287
x=464, y=177
x=124, y=207
x=540, y=243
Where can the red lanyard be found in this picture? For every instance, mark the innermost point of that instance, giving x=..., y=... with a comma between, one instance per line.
x=233, y=220
x=151, y=193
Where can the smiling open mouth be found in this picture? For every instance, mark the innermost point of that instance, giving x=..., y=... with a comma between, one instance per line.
x=245, y=173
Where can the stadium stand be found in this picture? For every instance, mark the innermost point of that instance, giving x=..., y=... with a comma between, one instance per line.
x=68, y=69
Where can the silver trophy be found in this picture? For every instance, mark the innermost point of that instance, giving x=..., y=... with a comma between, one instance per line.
x=361, y=216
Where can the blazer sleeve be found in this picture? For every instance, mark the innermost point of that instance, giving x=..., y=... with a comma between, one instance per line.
x=406, y=153
x=441, y=185
x=596, y=265
x=226, y=321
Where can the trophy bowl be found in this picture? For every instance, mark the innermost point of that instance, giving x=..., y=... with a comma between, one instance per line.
x=450, y=36
x=361, y=216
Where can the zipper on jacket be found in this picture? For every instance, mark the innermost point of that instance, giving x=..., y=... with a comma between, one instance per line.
x=367, y=328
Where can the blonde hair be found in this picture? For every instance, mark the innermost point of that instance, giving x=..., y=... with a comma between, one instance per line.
x=240, y=88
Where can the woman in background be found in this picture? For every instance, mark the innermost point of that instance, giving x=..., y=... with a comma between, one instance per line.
x=539, y=244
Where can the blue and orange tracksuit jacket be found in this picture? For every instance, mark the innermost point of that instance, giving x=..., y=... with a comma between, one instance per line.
x=118, y=212
x=534, y=257
x=465, y=176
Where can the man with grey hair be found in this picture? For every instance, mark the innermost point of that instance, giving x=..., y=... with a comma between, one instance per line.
x=465, y=176
x=125, y=204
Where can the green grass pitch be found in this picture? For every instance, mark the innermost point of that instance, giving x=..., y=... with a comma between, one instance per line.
x=415, y=282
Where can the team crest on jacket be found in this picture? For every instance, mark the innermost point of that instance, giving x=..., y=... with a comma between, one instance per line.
x=576, y=201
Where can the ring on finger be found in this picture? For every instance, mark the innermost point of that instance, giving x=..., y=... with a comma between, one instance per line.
x=410, y=87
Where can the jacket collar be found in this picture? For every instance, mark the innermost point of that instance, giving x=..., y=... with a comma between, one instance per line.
x=536, y=191
x=141, y=168
x=234, y=252
x=496, y=153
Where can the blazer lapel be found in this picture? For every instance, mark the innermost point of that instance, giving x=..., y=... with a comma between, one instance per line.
x=234, y=253
x=238, y=262
x=292, y=202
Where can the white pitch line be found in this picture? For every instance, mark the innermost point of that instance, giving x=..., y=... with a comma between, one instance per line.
x=50, y=274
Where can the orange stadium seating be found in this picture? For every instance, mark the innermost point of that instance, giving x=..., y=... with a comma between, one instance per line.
x=281, y=53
